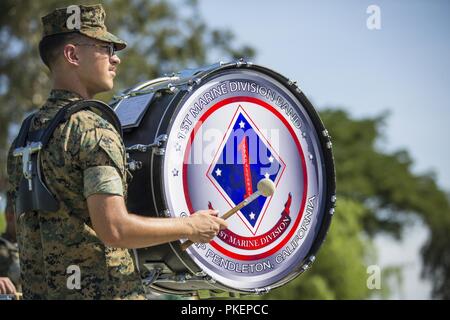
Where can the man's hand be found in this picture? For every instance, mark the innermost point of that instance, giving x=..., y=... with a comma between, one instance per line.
x=205, y=225
x=6, y=286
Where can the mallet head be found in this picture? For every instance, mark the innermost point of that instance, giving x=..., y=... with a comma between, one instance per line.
x=266, y=187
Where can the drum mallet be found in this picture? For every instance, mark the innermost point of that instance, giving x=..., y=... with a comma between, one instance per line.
x=266, y=188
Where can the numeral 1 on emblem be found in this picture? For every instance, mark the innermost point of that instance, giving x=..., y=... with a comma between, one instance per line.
x=243, y=147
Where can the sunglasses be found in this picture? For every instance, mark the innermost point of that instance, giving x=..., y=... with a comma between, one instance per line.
x=110, y=47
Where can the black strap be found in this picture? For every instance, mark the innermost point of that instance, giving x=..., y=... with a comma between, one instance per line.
x=21, y=139
x=67, y=111
x=41, y=198
x=106, y=112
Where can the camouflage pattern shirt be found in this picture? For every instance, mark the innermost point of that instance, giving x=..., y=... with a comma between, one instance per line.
x=84, y=156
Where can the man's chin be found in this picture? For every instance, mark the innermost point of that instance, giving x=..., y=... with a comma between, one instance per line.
x=106, y=87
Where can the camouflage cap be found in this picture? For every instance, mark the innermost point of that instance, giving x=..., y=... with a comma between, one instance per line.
x=87, y=20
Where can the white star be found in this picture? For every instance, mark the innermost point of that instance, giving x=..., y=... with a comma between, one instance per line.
x=267, y=175
x=252, y=216
x=242, y=124
x=270, y=159
x=218, y=172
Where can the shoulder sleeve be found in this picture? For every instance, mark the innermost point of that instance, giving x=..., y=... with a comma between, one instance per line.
x=101, y=147
x=101, y=155
x=102, y=180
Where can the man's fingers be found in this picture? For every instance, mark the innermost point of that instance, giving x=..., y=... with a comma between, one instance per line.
x=6, y=286
x=2, y=288
x=11, y=286
x=222, y=223
x=213, y=212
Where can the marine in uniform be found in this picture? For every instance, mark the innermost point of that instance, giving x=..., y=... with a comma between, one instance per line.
x=83, y=167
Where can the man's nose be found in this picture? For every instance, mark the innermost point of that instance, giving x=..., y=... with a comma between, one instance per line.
x=115, y=60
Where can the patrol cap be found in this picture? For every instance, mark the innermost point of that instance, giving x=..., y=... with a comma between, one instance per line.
x=88, y=20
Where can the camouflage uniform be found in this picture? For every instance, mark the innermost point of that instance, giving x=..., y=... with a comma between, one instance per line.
x=85, y=156
x=9, y=261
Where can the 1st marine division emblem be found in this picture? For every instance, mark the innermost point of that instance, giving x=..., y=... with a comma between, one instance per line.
x=238, y=128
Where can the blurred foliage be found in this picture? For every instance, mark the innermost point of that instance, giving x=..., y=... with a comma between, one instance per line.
x=377, y=191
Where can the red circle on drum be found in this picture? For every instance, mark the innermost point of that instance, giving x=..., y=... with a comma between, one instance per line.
x=299, y=148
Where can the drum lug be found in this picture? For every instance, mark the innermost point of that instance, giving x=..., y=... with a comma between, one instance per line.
x=142, y=147
x=157, y=144
x=261, y=291
x=308, y=263
x=333, y=200
x=172, y=88
x=165, y=213
x=134, y=165
x=242, y=62
x=160, y=141
x=162, y=138
x=200, y=274
x=328, y=137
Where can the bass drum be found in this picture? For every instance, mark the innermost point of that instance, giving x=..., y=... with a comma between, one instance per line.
x=203, y=139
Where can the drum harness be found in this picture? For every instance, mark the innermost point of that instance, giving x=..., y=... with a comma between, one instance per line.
x=33, y=194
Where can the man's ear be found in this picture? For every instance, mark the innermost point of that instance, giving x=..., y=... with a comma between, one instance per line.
x=71, y=54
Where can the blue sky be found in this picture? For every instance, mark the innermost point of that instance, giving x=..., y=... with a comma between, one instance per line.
x=403, y=68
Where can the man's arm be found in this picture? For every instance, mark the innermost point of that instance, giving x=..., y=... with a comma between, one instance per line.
x=102, y=159
x=118, y=228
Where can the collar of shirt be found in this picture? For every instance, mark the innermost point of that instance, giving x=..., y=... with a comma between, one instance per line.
x=61, y=97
